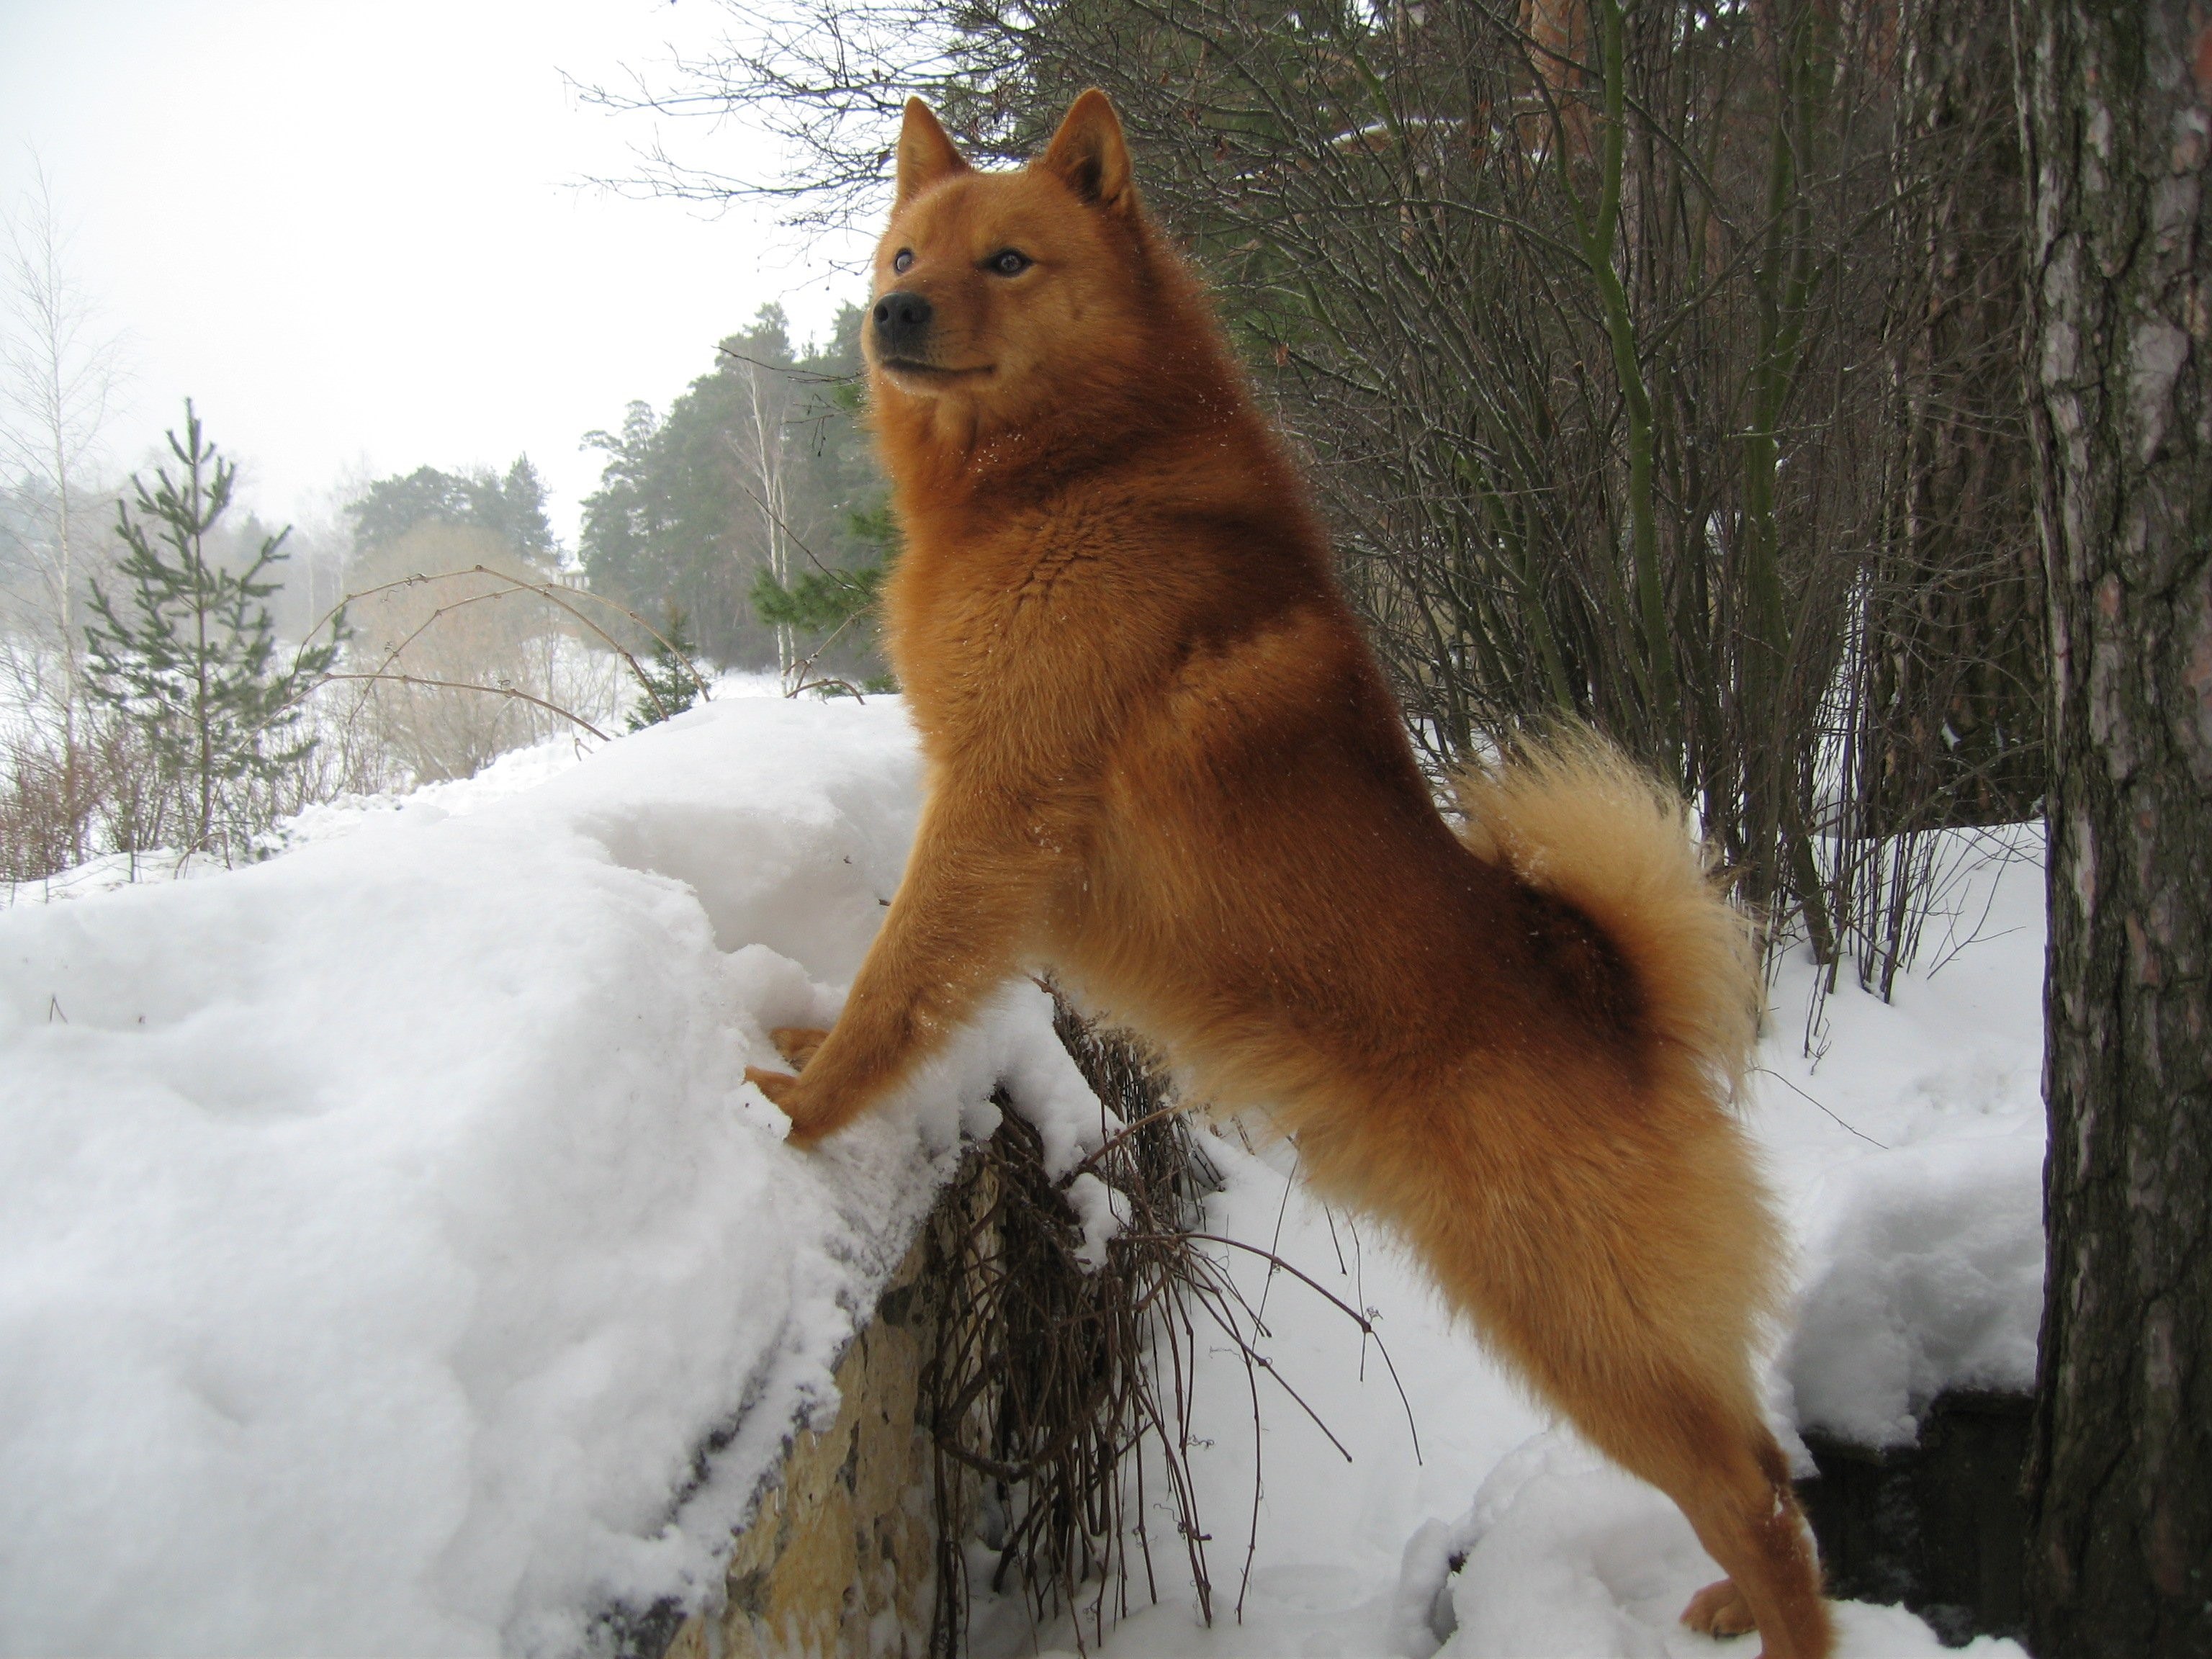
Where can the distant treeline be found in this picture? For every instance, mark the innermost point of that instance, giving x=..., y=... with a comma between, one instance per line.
x=756, y=486
x=512, y=508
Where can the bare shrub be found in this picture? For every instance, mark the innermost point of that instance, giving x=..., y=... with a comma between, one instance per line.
x=461, y=656
x=1056, y=1388
x=64, y=801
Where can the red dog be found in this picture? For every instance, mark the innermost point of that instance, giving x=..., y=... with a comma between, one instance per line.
x=1161, y=758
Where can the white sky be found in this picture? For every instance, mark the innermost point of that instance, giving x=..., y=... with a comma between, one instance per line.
x=355, y=233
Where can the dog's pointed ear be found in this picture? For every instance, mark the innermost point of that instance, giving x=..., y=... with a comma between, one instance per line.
x=926, y=154
x=1090, y=155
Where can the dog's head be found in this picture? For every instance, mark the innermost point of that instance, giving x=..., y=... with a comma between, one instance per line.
x=994, y=291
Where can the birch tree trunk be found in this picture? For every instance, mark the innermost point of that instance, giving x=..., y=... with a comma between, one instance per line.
x=2116, y=108
x=55, y=379
x=762, y=447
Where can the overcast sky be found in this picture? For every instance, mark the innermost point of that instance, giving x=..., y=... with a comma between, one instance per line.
x=354, y=233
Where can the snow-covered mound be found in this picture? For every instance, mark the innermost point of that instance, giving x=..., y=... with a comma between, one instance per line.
x=384, y=1228
x=1562, y=1553
x=1933, y=1280
x=1920, y=1203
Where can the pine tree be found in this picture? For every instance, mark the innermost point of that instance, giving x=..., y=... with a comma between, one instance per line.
x=834, y=603
x=512, y=508
x=522, y=503
x=2120, y=1479
x=189, y=655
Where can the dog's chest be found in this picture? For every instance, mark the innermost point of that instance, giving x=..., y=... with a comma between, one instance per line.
x=984, y=631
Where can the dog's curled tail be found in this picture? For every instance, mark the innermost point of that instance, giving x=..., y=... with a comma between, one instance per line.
x=1574, y=817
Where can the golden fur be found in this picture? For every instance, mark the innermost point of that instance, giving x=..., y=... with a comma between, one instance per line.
x=1159, y=756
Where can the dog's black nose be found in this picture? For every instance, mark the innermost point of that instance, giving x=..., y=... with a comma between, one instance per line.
x=902, y=324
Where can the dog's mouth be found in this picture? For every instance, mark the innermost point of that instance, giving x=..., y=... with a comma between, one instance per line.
x=933, y=374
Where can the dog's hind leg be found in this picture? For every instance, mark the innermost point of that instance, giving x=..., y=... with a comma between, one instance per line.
x=1715, y=1458
x=1700, y=1440
x=1622, y=1270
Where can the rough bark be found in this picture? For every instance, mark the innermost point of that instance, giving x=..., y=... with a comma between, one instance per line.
x=1958, y=597
x=2116, y=108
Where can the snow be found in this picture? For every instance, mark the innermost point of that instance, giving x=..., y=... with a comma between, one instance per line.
x=1922, y=1206
x=384, y=1228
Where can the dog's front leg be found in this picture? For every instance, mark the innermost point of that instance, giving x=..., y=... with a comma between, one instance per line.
x=981, y=864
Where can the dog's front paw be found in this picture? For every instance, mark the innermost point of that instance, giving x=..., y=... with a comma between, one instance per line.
x=796, y=1043
x=788, y=1093
x=1720, y=1610
x=776, y=1085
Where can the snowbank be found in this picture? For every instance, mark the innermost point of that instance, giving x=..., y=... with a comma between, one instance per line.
x=384, y=1228
x=1931, y=1279
x=1912, y=1151
x=1562, y=1553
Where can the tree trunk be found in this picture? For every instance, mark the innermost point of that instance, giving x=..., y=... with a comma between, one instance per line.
x=2117, y=106
x=1958, y=669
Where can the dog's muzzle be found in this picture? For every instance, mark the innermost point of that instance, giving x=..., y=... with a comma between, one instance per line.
x=901, y=321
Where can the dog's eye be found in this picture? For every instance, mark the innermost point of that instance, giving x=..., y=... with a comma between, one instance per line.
x=901, y=260
x=1009, y=262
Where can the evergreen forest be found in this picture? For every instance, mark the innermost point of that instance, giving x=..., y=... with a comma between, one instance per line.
x=752, y=511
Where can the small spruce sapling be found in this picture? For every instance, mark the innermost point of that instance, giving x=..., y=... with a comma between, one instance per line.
x=669, y=675
x=189, y=653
